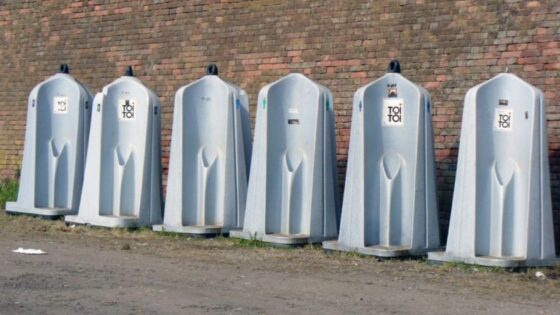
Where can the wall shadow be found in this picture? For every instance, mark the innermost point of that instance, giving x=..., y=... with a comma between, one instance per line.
x=554, y=161
x=446, y=168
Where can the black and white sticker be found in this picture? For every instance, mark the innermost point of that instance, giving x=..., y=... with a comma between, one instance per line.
x=503, y=119
x=393, y=112
x=60, y=105
x=127, y=108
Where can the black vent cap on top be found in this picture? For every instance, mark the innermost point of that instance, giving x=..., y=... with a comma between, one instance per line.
x=128, y=72
x=64, y=68
x=394, y=66
x=212, y=69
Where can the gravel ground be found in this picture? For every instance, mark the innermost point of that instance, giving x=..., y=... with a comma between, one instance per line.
x=101, y=271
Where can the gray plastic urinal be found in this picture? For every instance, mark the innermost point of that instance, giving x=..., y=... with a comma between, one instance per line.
x=209, y=159
x=58, y=118
x=501, y=213
x=122, y=185
x=390, y=203
x=292, y=193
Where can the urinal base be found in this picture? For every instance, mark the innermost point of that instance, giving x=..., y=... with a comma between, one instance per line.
x=45, y=213
x=194, y=230
x=506, y=262
x=107, y=221
x=377, y=251
x=278, y=239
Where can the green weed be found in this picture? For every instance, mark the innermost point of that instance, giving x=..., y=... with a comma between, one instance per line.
x=250, y=243
x=8, y=191
x=473, y=268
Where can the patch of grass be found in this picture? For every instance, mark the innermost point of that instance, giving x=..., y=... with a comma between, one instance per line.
x=550, y=273
x=168, y=234
x=145, y=230
x=8, y=191
x=474, y=268
x=251, y=243
x=221, y=238
x=355, y=254
x=316, y=247
x=555, y=272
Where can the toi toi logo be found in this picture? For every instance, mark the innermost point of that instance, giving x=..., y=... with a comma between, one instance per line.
x=393, y=112
x=128, y=108
x=503, y=120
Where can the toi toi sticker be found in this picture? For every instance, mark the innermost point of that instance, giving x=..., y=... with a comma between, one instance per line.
x=393, y=112
x=503, y=119
x=60, y=105
x=127, y=109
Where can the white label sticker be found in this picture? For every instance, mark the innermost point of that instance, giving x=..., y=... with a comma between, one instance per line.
x=393, y=114
x=127, y=109
x=293, y=110
x=60, y=105
x=503, y=121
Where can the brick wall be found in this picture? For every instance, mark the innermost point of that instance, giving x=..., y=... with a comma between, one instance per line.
x=446, y=46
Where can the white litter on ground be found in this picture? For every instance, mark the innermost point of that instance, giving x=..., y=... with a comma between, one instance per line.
x=29, y=251
x=540, y=275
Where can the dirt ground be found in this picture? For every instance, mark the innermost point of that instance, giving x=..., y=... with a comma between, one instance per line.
x=101, y=271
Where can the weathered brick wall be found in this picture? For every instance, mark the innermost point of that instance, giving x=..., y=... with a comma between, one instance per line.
x=446, y=46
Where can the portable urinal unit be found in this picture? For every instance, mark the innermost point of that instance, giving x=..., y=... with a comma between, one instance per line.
x=390, y=205
x=209, y=158
x=58, y=118
x=501, y=213
x=122, y=185
x=292, y=192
